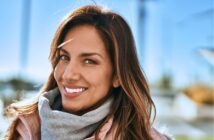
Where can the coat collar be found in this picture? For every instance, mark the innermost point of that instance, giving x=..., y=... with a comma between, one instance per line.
x=29, y=128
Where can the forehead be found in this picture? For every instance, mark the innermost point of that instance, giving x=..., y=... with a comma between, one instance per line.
x=83, y=37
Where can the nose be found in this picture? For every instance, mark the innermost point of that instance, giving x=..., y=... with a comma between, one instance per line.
x=71, y=73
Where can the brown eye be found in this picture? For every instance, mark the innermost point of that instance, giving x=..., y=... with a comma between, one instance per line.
x=89, y=61
x=63, y=57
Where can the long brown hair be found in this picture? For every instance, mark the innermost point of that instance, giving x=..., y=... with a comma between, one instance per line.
x=133, y=105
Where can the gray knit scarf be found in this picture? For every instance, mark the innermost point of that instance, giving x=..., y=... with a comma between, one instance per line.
x=59, y=125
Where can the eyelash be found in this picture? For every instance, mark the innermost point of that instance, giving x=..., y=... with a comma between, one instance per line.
x=63, y=57
x=90, y=61
x=85, y=61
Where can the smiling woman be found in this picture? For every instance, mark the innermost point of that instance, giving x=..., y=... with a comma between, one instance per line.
x=96, y=89
x=84, y=73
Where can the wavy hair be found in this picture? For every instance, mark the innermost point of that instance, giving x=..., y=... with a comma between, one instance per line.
x=133, y=105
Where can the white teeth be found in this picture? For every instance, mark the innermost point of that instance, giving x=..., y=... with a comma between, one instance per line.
x=71, y=90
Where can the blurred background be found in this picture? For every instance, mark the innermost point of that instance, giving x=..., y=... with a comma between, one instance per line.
x=175, y=45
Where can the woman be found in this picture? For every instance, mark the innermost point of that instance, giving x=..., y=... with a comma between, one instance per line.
x=96, y=89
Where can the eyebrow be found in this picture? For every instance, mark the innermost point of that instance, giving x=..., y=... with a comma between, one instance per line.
x=63, y=50
x=91, y=54
x=83, y=54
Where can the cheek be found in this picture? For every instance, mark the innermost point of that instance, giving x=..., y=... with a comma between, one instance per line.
x=101, y=78
x=57, y=73
x=55, y=70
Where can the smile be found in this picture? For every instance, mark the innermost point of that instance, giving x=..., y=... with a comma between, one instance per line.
x=74, y=90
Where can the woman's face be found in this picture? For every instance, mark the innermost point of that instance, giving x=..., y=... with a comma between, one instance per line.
x=84, y=73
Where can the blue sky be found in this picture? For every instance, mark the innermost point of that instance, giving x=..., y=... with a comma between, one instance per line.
x=45, y=17
x=173, y=31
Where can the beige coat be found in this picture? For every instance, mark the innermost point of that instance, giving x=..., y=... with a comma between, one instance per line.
x=28, y=128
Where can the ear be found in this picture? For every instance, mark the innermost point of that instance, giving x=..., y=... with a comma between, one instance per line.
x=116, y=81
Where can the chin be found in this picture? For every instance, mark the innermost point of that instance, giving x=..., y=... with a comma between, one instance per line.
x=69, y=107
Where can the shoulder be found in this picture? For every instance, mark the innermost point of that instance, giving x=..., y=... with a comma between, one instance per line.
x=25, y=126
x=11, y=133
x=108, y=131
